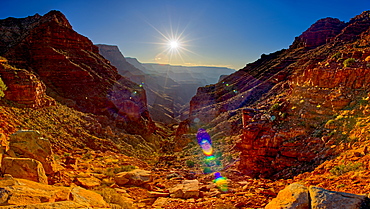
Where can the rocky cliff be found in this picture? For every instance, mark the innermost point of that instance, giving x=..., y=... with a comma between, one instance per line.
x=292, y=95
x=72, y=69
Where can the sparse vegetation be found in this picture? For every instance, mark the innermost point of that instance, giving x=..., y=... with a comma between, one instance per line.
x=342, y=169
x=274, y=106
x=349, y=62
x=190, y=163
x=2, y=88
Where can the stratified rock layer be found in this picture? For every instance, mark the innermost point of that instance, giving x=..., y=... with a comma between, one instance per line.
x=23, y=87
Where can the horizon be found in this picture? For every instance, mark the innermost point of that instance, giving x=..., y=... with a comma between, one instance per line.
x=191, y=33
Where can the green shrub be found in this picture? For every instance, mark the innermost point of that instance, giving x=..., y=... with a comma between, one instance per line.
x=2, y=88
x=190, y=163
x=274, y=106
x=348, y=62
x=341, y=169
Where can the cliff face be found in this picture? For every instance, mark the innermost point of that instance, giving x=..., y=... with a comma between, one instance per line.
x=294, y=96
x=24, y=87
x=71, y=68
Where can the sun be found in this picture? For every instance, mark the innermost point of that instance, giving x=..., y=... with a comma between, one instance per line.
x=174, y=44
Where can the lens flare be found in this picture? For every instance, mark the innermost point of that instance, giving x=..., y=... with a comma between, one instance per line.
x=204, y=141
x=221, y=182
x=206, y=147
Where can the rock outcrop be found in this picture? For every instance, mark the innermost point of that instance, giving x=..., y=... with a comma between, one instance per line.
x=322, y=32
x=23, y=87
x=298, y=196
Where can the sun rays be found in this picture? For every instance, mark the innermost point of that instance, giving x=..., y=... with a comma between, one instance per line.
x=174, y=46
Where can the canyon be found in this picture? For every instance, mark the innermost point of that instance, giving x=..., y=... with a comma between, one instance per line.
x=103, y=133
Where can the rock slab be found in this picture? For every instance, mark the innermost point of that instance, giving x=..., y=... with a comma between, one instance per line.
x=187, y=189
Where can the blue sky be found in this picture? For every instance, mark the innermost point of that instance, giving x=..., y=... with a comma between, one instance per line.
x=211, y=32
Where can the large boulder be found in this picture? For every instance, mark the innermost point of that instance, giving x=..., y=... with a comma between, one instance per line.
x=25, y=168
x=293, y=196
x=22, y=193
x=30, y=144
x=87, y=198
x=187, y=189
x=135, y=177
x=325, y=199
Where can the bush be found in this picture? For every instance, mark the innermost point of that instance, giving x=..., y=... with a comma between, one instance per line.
x=2, y=88
x=341, y=169
x=274, y=107
x=349, y=62
x=190, y=163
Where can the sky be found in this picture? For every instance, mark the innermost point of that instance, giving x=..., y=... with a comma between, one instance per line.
x=228, y=33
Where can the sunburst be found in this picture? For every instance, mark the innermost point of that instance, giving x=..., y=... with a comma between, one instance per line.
x=174, y=46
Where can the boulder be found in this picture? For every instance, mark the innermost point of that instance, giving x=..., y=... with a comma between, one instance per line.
x=26, y=192
x=89, y=182
x=187, y=189
x=30, y=144
x=87, y=198
x=25, y=168
x=325, y=199
x=293, y=196
x=135, y=177
x=22, y=193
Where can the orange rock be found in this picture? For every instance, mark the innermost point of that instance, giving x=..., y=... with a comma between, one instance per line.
x=293, y=196
x=25, y=168
x=30, y=144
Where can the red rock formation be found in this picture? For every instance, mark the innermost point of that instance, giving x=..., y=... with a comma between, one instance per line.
x=322, y=32
x=72, y=69
x=24, y=87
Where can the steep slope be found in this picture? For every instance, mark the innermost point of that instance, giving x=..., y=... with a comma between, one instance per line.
x=292, y=96
x=72, y=69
